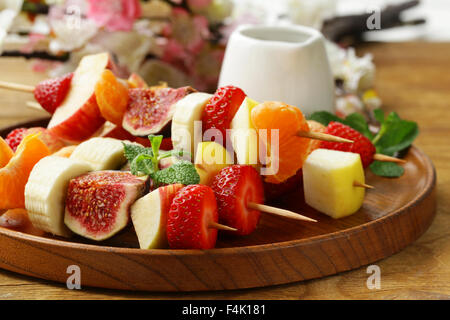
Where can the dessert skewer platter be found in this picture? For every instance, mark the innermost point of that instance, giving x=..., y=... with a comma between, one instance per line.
x=159, y=188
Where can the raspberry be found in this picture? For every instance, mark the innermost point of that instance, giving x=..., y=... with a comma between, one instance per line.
x=361, y=144
x=235, y=187
x=51, y=93
x=221, y=109
x=191, y=211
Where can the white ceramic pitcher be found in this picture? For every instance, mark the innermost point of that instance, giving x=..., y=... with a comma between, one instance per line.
x=280, y=63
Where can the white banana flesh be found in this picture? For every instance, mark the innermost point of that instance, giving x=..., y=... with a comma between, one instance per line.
x=101, y=153
x=187, y=111
x=46, y=189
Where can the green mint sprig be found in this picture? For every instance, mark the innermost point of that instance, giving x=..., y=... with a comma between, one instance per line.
x=394, y=135
x=145, y=161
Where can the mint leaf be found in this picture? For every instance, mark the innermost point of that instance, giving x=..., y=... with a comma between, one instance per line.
x=379, y=115
x=183, y=172
x=359, y=123
x=131, y=151
x=387, y=169
x=155, y=143
x=142, y=165
x=395, y=134
x=324, y=117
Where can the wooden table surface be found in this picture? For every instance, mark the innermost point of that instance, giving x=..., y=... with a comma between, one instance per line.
x=412, y=79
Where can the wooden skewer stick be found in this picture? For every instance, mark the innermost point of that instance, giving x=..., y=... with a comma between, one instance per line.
x=382, y=157
x=219, y=226
x=16, y=86
x=362, y=185
x=278, y=212
x=34, y=105
x=322, y=136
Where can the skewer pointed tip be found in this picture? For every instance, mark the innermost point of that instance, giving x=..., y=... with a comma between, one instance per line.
x=362, y=185
x=279, y=212
x=382, y=157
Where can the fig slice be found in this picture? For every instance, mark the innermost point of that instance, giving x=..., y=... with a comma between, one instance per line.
x=98, y=203
x=150, y=110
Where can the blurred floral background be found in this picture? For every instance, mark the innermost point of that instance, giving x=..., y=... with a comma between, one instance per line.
x=182, y=42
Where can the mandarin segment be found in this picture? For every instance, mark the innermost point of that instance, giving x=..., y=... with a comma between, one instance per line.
x=14, y=176
x=292, y=149
x=6, y=153
x=112, y=97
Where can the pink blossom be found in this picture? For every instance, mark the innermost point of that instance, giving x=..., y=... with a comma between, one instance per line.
x=114, y=15
x=191, y=32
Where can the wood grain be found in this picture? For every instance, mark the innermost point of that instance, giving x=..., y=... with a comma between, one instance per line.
x=420, y=271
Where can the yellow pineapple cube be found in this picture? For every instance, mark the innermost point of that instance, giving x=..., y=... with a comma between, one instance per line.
x=244, y=136
x=211, y=157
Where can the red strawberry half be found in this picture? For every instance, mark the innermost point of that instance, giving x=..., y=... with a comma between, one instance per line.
x=361, y=144
x=193, y=209
x=235, y=187
x=221, y=109
x=51, y=93
x=15, y=137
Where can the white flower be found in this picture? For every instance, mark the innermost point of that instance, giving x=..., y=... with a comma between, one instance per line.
x=358, y=73
x=121, y=42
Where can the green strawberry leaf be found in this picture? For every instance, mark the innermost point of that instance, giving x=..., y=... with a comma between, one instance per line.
x=387, y=169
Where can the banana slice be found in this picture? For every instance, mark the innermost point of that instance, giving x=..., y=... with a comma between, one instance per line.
x=46, y=189
x=101, y=153
x=187, y=111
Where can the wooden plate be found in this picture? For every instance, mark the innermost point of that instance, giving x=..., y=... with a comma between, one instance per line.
x=280, y=251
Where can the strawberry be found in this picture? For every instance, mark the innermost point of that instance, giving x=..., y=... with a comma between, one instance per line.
x=191, y=211
x=15, y=137
x=51, y=93
x=221, y=109
x=235, y=187
x=361, y=145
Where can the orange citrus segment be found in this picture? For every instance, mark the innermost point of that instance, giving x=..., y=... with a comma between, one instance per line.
x=14, y=176
x=292, y=150
x=112, y=97
x=315, y=126
x=6, y=153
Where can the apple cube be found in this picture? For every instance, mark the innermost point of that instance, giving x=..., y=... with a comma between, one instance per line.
x=210, y=158
x=328, y=180
x=149, y=216
x=244, y=136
